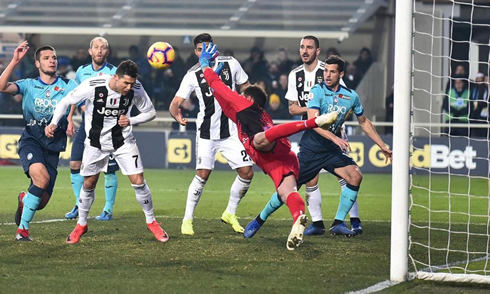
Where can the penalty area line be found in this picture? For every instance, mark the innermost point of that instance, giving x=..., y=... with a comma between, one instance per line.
x=375, y=288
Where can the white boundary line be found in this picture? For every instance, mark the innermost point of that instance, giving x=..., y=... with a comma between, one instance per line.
x=375, y=288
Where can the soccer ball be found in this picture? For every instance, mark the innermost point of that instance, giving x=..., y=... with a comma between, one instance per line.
x=161, y=55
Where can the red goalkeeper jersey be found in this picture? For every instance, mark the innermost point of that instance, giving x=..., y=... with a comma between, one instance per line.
x=277, y=163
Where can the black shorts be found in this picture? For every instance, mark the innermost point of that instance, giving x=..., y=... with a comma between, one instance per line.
x=311, y=163
x=30, y=151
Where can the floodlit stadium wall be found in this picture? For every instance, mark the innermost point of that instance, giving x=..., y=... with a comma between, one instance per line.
x=175, y=150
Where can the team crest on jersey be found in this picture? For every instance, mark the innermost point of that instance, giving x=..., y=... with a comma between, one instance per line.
x=125, y=102
x=48, y=94
x=226, y=74
x=335, y=99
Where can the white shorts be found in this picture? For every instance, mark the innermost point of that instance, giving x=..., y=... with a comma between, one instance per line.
x=231, y=148
x=127, y=156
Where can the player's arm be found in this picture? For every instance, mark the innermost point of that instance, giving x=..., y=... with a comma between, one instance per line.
x=144, y=105
x=77, y=95
x=244, y=86
x=343, y=144
x=175, y=111
x=292, y=97
x=295, y=109
x=19, y=53
x=70, y=131
x=368, y=128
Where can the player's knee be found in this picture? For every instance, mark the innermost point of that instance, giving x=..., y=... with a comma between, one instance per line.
x=355, y=179
x=75, y=164
x=246, y=173
x=203, y=173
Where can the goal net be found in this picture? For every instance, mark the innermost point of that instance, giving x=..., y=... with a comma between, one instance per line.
x=449, y=198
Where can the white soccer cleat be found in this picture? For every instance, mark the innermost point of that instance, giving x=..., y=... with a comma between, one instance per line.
x=297, y=231
x=324, y=121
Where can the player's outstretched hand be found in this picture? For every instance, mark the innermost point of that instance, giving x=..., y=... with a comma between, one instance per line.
x=49, y=130
x=208, y=54
x=20, y=51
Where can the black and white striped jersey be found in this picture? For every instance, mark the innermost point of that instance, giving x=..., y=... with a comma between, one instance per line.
x=104, y=106
x=300, y=82
x=211, y=121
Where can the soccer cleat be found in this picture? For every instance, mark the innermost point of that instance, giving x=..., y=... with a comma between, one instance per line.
x=73, y=214
x=22, y=235
x=295, y=238
x=187, y=227
x=76, y=234
x=252, y=228
x=231, y=219
x=324, y=121
x=157, y=231
x=313, y=230
x=104, y=216
x=342, y=230
x=356, y=226
x=20, y=207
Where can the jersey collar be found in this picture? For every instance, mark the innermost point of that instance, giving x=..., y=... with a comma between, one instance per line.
x=92, y=65
x=39, y=79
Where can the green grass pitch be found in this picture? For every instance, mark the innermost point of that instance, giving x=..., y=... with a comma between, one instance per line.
x=121, y=256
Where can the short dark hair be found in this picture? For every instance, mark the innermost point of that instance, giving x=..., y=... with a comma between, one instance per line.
x=205, y=37
x=335, y=59
x=127, y=68
x=37, y=54
x=257, y=93
x=310, y=37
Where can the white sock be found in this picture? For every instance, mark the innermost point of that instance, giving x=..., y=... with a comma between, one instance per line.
x=143, y=195
x=354, y=211
x=237, y=192
x=314, y=202
x=84, y=203
x=193, y=195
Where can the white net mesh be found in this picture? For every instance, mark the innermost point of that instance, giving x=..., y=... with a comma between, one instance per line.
x=450, y=203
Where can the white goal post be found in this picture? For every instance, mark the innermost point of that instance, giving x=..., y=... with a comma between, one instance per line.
x=440, y=223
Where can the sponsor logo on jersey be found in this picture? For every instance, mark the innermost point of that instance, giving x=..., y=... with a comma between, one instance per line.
x=45, y=106
x=339, y=109
x=111, y=112
x=59, y=89
x=341, y=96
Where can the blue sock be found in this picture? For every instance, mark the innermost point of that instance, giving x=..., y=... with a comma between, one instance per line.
x=31, y=203
x=110, y=191
x=347, y=199
x=76, y=183
x=271, y=206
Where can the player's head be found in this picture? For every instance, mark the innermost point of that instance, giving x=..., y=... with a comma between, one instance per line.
x=334, y=70
x=125, y=77
x=46, y=60
x=256, y=94
x=198, y=40
x=309, y=49
x=98, y=50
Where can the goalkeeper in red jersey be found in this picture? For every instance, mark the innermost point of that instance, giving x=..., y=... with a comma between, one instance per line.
x=265, y=143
